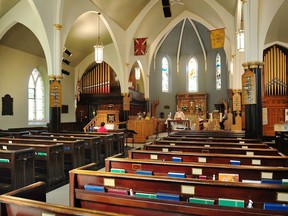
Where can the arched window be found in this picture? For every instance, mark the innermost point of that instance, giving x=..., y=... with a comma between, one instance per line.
x=165, y=75
x=192, y=75
x=36, y=108
x=218, y=71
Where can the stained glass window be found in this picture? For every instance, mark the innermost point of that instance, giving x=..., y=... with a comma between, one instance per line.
x=192, y=75
x=165, y=75
x=218, y=71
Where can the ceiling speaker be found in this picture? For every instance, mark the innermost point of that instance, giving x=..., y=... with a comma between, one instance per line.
x=65, y=72
x=166, y=8
x=165, y=3
x=167, y=11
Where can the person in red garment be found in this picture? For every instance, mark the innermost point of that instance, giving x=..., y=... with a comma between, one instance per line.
x=102, y=128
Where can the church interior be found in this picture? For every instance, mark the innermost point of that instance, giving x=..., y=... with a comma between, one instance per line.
x=192, y=96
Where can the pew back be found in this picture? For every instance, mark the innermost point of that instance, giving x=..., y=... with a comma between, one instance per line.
x=149, y=185
x=31, y=201
x=210, y=158
x=16, y=168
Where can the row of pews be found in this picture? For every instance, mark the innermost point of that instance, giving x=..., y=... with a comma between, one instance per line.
x=26, y=158
x=173, y=181
x=168, y=181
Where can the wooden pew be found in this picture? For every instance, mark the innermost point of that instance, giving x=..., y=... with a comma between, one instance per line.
x=212, y=150
x=210, y=144
x=106, y=144
x=185, y=137
x=31, y=200
x=213, y=133
x=181, y=189
x=118, y=139
x=49, y=161
x=92, y=144
x=263, y=160
x=195, y=169
x=16, y=168
x=281, y=141
x=74, y=150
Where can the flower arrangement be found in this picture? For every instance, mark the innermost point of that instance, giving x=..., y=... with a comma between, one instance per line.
x=184, y=108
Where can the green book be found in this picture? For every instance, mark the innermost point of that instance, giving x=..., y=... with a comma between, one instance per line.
x=284, y=181
x=114, y=170
x=201, y=201
x=146, y=195
x=41, y=153
x=231, y=202
x=3, y=160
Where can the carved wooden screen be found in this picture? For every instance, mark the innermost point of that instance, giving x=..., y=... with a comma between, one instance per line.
x=96, y=80
x=274, y=88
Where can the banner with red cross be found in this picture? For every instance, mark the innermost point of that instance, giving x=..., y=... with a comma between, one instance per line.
x=140, y=46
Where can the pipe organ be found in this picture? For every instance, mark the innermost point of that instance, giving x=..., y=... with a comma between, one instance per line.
x=275, y=71
x=96, y=80
x=274, y=87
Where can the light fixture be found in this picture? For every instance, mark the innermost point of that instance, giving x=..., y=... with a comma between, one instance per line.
x=68, y=53
x=240, y=40
x=99, y=46
x=65, y=61
x=137, y=73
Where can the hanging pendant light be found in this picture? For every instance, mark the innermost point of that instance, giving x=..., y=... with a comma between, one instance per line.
x=99, y=46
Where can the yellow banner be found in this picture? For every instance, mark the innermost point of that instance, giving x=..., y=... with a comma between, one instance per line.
x=217, y=38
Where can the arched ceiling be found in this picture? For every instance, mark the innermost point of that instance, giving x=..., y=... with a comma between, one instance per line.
x=123, y=13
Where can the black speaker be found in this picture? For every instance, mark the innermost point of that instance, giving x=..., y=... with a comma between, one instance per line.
x=166, y=8
x=165, y=3
x=65, y=72
x=167, y=11
x=65, y=61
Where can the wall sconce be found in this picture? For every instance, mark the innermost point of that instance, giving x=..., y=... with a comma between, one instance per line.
x=65, y=61
x=137, y=73
x=99, y=46
x=68, y=53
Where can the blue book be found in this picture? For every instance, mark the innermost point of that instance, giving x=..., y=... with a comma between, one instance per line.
x=67, y=148
x=94, y=188
x=235, y=162
x=176, y=175
x=275, y=206
x=144, y=172
x=165, y=196
x=176, y=159
x=271, y=181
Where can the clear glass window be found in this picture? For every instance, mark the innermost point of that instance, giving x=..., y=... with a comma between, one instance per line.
x=36, y=105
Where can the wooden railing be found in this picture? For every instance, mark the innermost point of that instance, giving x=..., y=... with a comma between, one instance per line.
x=90, y=124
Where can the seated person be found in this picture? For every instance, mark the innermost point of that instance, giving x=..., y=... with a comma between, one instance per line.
x=102, y=128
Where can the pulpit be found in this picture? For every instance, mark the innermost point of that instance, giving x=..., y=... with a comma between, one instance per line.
x=108, y=116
